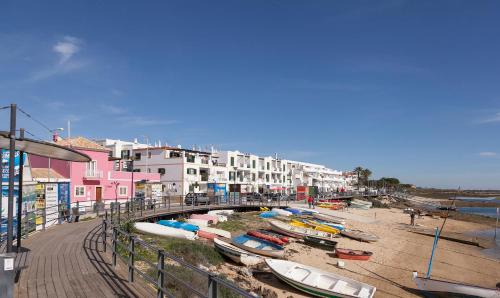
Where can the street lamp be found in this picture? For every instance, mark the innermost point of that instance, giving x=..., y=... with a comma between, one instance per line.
x=234, y=185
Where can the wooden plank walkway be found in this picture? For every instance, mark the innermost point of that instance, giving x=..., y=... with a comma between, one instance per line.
x=68, y=261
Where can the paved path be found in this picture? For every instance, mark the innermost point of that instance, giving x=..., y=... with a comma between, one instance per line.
x=67, y=261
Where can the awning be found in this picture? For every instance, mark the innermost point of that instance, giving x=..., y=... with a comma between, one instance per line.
x=44, y=149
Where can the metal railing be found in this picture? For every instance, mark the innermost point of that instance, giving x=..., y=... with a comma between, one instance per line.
x=170, y=275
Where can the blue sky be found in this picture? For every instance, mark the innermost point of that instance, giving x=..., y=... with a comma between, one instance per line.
x=409, y=89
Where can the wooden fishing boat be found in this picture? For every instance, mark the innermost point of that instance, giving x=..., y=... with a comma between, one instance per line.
x=317, y=282
x=266, y=237
x=159, y=230
x=236, y=254
x=351, y=254
x=217, y=232
x=271, y=233
x=205, y=234
x=222, y=212
x=330, y=224
x=320, y=242
x=298, y=232
x=258, y=246
x=212, y=219
x=179, y=225
x=436, y=286
x=359, y=235
x=329, y=218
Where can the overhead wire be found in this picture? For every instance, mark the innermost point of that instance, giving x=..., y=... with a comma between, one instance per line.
x=35, y=120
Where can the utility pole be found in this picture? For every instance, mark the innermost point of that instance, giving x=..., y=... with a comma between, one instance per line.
x=20, y=192
x=12, y=152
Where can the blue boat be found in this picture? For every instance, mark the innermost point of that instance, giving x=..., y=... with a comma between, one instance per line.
x=179, y=225
x=294, y=211
x=258, y=246
x=333, y=225
x=268, y=214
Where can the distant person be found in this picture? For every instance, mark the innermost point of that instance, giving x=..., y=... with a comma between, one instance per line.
x=310, y=202
x=412, y=218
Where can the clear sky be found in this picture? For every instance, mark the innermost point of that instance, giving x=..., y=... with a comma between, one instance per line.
x=409, y=89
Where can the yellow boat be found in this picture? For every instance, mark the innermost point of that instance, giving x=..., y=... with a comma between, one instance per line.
x=264, y=209
x=312, y=225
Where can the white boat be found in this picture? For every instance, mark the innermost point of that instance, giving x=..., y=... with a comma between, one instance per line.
x=317, y=282
x=282, y=212
x=223, y=212
x=306, y=209
x=237, y=254
x=258, y=246
x=297, y=232
x=330, y=218
x=221, y=218
x=159, y=230
x=217, y=232
x=446, y=287
x=199, y=222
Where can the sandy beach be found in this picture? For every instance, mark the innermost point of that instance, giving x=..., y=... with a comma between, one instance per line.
x=395, y=256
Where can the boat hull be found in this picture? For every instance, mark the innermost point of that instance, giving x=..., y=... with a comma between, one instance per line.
x=159, y=230
x=359, y=235
x=298, y=232
x=236, y=254
x=319, y=242
x=316, y=291
x=329, y=218
x=275, y=252
x=350, y=254
x=447, y=288
x=266, y=237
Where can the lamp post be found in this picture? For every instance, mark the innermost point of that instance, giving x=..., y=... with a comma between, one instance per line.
x=116, y=183
x=132, y=158
x=234, y=184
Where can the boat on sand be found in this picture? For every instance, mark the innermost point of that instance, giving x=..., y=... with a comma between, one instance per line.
x=320, y=242
x=266, y=237
x=359, y=235
x=212, y=219
x=237, y=254
x=351, y=254
x=159, y=230
x=329, y=218
x=218, y=232
x=258, y=246
x=448, y=288
x=317, y=282
x=297, y=232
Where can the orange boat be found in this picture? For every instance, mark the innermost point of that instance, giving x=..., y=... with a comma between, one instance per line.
x=263, y=236
x=351, y=254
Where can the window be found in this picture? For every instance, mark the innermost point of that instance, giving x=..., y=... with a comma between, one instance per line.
x=138, y=156
x=253, y=164
x=232, y=161
x=125, y=154
x=161, y=171
x=190, y=158
x=268, y=166
x=91, y=168
x=283, y=168
x=267, y=177
x=253, y=176
x=149, y=170
x=149, y=154
x=231, y=176
x=122, y=190
x=191, y=171
x=174, y=154
x=79, y=191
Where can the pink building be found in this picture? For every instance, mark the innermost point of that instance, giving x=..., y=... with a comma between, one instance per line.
x=96, y=180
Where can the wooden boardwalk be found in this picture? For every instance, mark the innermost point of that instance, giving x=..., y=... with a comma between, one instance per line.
x=68, y=261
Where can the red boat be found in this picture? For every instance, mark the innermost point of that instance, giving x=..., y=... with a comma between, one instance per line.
x=207, y=235
x=271, y=233
x=351, y=254
x=263, y=236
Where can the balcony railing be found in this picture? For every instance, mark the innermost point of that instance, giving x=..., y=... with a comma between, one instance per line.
x=93, y=174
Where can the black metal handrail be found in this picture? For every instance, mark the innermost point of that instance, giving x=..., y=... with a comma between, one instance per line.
x=125, y=247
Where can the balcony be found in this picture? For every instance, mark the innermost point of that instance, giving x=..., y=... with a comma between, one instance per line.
x=92, y=174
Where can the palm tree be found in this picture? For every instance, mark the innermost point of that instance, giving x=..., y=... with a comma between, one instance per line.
x=366, y=173
x=358, y=171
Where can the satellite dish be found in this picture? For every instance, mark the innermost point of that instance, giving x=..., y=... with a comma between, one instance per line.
x=44, y=149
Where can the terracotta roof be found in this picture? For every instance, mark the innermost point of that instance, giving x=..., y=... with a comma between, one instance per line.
x=81, y=143
x=43, y=173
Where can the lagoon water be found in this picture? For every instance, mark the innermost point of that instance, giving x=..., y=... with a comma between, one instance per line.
x=484, y=211
x=476, y=199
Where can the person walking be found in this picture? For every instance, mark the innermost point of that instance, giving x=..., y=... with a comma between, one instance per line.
x=310, y=201
x=412, y=218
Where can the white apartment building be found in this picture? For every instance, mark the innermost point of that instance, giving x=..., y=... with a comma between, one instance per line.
x=121, y=151
x=183, y=170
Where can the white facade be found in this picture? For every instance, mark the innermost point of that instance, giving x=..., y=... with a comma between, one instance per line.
x=183, y=171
